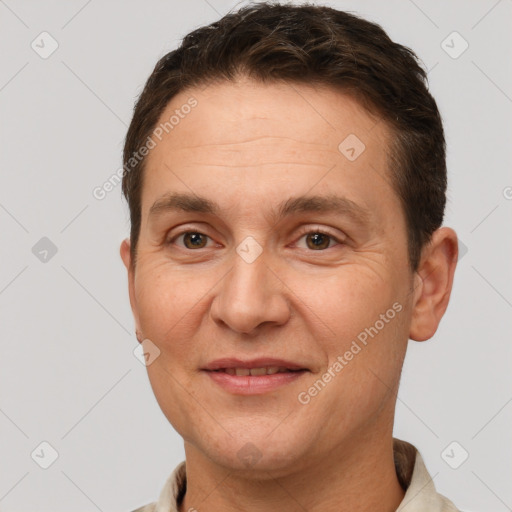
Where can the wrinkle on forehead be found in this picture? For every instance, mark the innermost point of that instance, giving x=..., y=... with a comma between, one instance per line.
x=252, y=152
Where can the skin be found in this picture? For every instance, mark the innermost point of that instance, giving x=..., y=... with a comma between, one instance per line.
x=249, y=146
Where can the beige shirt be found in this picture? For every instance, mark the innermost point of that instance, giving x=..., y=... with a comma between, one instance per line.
x=420, y=492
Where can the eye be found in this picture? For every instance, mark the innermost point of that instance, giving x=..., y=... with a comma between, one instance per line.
x=318, y=240
x=191, y=239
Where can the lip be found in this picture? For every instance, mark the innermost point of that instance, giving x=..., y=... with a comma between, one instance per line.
x=253, y=363
x=252, y=384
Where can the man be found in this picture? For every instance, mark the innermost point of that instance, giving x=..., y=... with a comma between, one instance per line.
x=285, y=173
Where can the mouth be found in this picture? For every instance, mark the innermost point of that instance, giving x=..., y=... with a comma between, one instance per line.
x=254, y=377
x=264, y=370
x=259, y=366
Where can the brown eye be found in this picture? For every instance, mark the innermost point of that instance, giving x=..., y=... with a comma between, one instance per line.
x=318, y=241
x=194, y=240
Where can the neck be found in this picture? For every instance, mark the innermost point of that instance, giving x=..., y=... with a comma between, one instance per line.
x=358, y=477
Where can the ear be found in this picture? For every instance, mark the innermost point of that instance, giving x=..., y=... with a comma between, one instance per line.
x=127, y=260
x=433, y=283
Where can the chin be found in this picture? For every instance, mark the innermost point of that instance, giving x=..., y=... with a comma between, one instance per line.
x=256, y=453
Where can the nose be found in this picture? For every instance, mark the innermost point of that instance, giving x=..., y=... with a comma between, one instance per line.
x=251, y=295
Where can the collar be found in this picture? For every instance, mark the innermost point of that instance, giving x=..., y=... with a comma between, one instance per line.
x=420, y=491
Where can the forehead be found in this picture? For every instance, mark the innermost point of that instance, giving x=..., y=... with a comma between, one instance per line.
x=263, y=136
x=246, y=109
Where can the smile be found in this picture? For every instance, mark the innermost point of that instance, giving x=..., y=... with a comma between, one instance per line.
x=253, y=381
x=243, y=372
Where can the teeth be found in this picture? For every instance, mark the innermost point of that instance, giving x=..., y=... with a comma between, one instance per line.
x=244, y=372
x=258, y=371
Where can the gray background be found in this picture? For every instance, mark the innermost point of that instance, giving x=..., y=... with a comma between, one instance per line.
x=68, y=374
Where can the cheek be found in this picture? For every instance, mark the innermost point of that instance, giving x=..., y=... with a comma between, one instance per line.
x=366, y=375
x=349, y=300
x=167, y=301
x=365, y=320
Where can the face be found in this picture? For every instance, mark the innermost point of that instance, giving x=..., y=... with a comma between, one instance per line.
x=272, y=238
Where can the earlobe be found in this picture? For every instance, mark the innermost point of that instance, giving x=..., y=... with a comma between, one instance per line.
x=434, y=286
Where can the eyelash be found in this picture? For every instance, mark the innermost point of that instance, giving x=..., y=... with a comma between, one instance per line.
x=320, y=231
x=303, y=232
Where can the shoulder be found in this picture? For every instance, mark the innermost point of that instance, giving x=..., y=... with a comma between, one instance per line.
x=171, y=494
x=150, y=507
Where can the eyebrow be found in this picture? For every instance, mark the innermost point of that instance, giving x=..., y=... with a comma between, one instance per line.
x=331, y=203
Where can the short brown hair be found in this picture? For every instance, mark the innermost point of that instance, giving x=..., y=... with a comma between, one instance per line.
x=310, y=44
